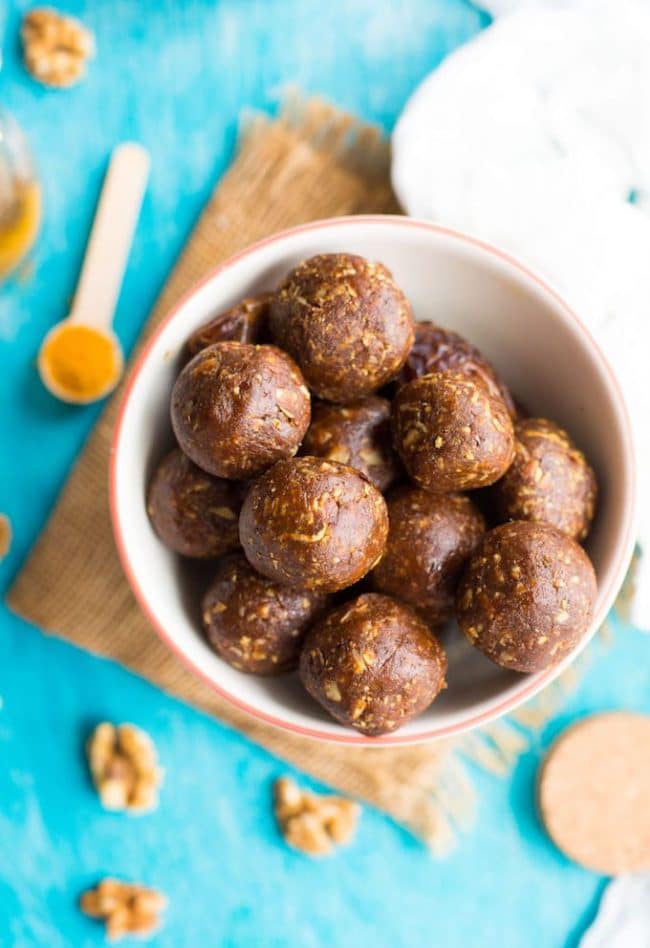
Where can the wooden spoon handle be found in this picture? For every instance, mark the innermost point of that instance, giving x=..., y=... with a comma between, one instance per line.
x=111, y=236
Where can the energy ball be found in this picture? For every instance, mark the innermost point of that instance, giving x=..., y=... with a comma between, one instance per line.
x=439, y=350
x=254, y=624
x=358, y=435
x=549, y=480
x=244, y=322
x=373, y=664
x=430, y=537
x=345, y=322
x=193, y=513
x=526, y=596
x=313, y=524
x=452, y=432
x=236, y=409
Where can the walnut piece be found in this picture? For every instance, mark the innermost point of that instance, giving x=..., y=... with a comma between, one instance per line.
x=125, y=907
x=311, y=823
x=56, y=48
x=124, y=767
x=5, y=535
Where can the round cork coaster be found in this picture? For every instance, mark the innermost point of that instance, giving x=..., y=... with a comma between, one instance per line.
x=594, y=792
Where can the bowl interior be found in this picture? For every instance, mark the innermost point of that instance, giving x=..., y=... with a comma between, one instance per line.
x=540, y=349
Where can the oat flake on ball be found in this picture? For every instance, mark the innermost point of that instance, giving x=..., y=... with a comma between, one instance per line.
x=237, y=408
x=345, y=322
x=313, y=524
x=452, y=432
x=526, y=596
x=373, y=664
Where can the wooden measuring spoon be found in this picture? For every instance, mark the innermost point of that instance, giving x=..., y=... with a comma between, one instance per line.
x=80, y=359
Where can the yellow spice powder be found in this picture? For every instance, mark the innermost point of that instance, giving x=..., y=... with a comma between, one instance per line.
x=81, y=360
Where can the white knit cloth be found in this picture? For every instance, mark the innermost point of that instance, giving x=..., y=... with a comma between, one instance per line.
x=623, y=919
x=536, y=136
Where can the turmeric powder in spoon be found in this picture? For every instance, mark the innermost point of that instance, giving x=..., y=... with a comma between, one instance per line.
x=81, y=359
x=80, y=363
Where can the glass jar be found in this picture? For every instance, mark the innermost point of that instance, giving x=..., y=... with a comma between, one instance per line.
x=20, y=196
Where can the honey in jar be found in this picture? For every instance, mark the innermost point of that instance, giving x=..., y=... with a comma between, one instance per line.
x=20, y=196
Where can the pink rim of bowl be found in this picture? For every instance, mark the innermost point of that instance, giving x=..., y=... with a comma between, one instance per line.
x=530, y=685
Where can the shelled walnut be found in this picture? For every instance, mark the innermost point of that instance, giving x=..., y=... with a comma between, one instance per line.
x=126, y=908
x=124, y=767
x=311, y=823
x=56, y=48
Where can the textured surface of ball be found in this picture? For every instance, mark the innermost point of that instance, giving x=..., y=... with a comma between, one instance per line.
x=313, y=524
x=526, y=596
x=237, y=408
x=452, y=432
x=549, y=480
x=373, y=664
x=192, y=512
x=257, y=625
x=345, y=322
x=440, y=350
x=358, y=435
x=430, y=537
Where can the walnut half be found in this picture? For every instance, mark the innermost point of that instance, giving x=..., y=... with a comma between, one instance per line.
x=125, y=907
x=56, y=48
x=124, y=767
x=311, y=823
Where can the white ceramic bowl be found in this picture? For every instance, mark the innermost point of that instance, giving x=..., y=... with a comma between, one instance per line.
x=539, y=346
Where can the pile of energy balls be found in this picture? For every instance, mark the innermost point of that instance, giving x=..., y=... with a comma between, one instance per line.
x=360, y=479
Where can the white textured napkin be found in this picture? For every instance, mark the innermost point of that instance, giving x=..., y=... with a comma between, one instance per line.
x=623, y=919
x=536, y=136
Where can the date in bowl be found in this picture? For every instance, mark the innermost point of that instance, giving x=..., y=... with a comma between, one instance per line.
x=538, y=345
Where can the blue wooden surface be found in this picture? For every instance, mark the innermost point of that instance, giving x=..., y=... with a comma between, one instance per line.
x=176, y=76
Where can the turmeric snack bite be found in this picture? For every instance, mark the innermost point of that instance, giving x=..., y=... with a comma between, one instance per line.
x=430, y=537
x=451, y=432
x=345, y=322
x=440, y=350
x=244, y=322
x=373, y=664
x=526, y=596
x=237, y=408
x=257, y=625
x=549, y=480
x=313, y=524
x=192, y=512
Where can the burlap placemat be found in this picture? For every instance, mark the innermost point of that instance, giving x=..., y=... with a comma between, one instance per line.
x=312, y=162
